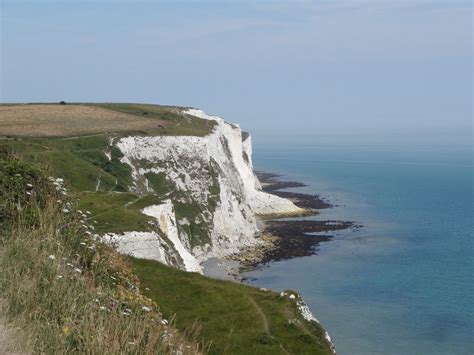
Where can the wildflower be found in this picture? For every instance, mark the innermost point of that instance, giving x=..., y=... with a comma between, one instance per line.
x=146, y=309
x=66, y=330
x=292, y=297
x=51, y=257
x=164, y=321
x=29, y=185
x=28, y=192
x=96, y=300
x=59, y=277
x=102, y=308
x=77, y=271
x=65, y=210
x=82, y=243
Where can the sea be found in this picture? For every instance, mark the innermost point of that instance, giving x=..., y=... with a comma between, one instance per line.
x=403, y=283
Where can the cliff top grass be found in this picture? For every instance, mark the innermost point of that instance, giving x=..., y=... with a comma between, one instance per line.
x=79, y=119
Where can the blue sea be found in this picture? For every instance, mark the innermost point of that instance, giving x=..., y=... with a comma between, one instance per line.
x=402, y=284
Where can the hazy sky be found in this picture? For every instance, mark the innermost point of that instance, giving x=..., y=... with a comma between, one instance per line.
x=366, y=70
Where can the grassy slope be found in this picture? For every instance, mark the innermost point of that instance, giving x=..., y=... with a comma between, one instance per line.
x=230, y=314
x=235, y=318
x=67, y=292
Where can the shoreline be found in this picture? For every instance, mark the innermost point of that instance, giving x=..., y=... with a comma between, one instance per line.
x=283, y=236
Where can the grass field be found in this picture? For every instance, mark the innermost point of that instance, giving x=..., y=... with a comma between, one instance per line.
x=54, y=120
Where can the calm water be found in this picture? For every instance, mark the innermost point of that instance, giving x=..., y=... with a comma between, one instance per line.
x=403, y=284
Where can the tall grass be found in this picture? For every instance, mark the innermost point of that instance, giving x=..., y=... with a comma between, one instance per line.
x=70, y=292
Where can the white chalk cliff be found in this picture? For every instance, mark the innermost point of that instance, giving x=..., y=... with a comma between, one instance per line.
x=211, y=195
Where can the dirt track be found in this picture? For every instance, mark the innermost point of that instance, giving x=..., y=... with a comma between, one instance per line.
x=67, y=120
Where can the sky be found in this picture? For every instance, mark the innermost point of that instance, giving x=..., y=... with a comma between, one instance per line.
x=362, y=71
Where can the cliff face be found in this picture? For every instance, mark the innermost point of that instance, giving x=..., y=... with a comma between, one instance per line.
x=211, y=195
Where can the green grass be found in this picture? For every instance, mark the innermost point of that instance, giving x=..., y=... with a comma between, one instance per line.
x=69, y=293
x=233, y=317
x=117, y=212
x=81, y=162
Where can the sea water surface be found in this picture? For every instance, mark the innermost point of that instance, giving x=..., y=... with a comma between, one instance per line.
x=402, y=284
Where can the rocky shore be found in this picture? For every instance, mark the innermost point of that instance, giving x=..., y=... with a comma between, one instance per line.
x=286, y=238
x=273, y=184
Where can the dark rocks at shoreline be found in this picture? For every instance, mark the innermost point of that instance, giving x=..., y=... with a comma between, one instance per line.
x=303, y=200
x=292, y=238
x=287, y=239
x=299, y=228
x=271, y=183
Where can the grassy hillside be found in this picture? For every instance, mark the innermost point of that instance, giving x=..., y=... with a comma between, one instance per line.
x=233, y=318
x=38, y=221
x=68, y=292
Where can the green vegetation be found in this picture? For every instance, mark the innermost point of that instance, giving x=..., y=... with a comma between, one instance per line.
x=117, y=212
x=233, y=318
x=82, y=161
x=68, y=292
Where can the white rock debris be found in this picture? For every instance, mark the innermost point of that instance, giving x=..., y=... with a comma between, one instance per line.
x=165, y=216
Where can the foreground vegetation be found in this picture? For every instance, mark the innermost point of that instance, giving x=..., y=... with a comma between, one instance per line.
x=69, y=292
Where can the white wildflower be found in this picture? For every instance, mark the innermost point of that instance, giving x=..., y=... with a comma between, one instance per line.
x=146, y=309
x=65, y=210
x=77, y=271
x=51, y=257
x=292, y=297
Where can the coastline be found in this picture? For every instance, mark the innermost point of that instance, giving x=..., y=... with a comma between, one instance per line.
x=283, y=236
